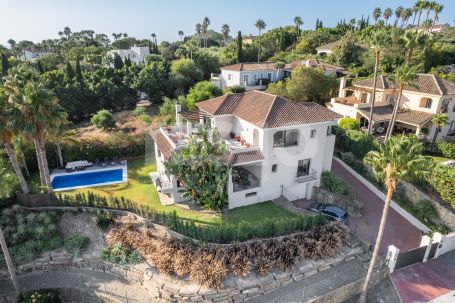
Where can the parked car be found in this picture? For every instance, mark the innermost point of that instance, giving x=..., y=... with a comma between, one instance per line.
x=332, y=212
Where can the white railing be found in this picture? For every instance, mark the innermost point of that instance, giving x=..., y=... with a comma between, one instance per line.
x=313, y=175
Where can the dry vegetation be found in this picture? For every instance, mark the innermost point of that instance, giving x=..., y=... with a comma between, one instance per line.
x=209, y=265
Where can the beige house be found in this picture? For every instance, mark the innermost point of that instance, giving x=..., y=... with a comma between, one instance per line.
x=326, y=49
x=428, y=96
x=327, y=68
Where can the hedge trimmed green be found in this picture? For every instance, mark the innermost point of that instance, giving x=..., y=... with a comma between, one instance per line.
x=355, y=141
x=447, y=149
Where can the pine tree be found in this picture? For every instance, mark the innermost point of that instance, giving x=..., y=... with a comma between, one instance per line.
x=239, y=47
x=5, y=64
x=69, y=71
x=118, y=63
x=320, y=24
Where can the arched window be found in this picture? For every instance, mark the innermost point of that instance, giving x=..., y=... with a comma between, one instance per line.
x=425, y=102
x=445, y=106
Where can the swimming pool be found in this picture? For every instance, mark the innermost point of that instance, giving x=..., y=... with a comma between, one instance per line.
x=97, y=177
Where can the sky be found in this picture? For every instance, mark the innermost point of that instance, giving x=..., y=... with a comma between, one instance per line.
x=42, y=19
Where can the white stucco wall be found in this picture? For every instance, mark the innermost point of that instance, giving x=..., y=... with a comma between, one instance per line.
x=237, y=77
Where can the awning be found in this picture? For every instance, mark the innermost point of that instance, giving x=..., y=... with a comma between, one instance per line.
x=407, y=116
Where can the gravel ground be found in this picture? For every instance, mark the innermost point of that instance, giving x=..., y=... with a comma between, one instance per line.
x=81, y=223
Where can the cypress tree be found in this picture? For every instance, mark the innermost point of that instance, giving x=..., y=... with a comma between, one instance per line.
x=78, y=71
x=69, y=71
x=40, y=67
x=5, y=64
x=320, y=24
x=127, y=61
x=239, y=47
x=118, y=63
x=317, y=23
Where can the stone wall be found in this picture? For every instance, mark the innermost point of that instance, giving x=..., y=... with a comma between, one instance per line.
x=353, y=207
x=163, y=288
x=415, y=195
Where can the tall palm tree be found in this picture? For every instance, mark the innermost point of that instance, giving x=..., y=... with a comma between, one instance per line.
x=298, y=22
x=181, y=35
x=153, y=35
x=376, y=42
x=398, y=13
x=6, y=136
x=62, y=135
x=260, y=25
x=377, y=13
x=404, y=76
x=225, y=30
x=398, y=158
x=405, y=15
x=430, y=6
x=438, y=120
x=437, y=10
x=198, y=32
x=205, y=27
x=388, y=12
x=420, y=5
x=411, y=41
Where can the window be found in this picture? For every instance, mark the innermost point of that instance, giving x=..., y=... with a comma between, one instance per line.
x=313, y=133
x=303, y=167
x=159, y=153
x=274, y=168
x=229, y=77
x=255, y=193
x=285, y=138
x=269, y=76
x=425, y=102
x=255, y=77
x=445, y=106
x=329, y=130
x=262, y=76
x=246, y=78
x=363, y=97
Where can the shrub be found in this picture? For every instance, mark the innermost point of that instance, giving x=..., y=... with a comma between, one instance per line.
x=39, y=296
x=202, y=91
x=103, y=119
x=76, y=244
x=235, y=89
x=139, y=111
x=447, y=149
x=102, y=219
x=335, y=184
x=442, y=180
x=120, y=254
x=355, y=141
x=349, y=123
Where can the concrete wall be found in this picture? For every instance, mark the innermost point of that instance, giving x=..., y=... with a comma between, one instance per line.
x=446, y=244
x=237, y=77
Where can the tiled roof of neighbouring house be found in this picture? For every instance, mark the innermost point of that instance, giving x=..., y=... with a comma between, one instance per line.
x=314, y=63
x=250, y=66
x=245, y=157
x=267, y=110
x=384, y=113
x=424, y=83
x=163, y=143
x=328, y=46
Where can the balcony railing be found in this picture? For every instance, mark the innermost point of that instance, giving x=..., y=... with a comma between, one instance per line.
x=313, y=175
x=239, y=186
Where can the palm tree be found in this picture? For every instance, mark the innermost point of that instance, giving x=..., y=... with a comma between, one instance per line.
x=377, y=13
x=181, y=35
x=225, y=30
x=153, y=35
x=198, y=32
x=411, y=41
x=398, y=13
x=437, y=10
x=9, y=262
x=298, y=23
x=61, y=135
x=439, y=120
x=260, y=25
x=6, y=136
x=387, y=14
x=205, y=27
x=429, y=7
x=404, y=76
x=405, y=15
x=420, y=5
x=376, y=43
x=398, y=158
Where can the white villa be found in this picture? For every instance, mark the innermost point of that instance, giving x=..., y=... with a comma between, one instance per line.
x=29, y=55
x=326, y=68
x=428, y=96
x=135, y=53
x=279, y=147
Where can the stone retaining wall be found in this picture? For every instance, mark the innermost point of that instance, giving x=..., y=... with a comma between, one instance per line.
x=415, y=195
x=171, y=289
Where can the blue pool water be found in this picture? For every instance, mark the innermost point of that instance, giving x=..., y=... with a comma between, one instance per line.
x=87, y=179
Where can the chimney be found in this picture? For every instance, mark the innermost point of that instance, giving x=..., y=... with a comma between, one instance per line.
x=178, y=116
x=342, y=86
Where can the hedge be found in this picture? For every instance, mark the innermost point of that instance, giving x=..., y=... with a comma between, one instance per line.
x=447, y=149
x=355, y=141
x=442, y=180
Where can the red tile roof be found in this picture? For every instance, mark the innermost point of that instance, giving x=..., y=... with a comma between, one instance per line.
x=163, y=143
x=267, y=110
x=250, y=66
x=245, y=157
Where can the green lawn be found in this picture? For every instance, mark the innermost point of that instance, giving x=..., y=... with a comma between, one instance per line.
x=140, y=189
x=439, y=159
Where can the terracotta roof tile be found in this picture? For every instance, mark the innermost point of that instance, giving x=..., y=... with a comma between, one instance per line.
x=163, y=143
x=384, y=113
x=245, y=157
x=314, y=63
x=267, y=110
x=250, y=66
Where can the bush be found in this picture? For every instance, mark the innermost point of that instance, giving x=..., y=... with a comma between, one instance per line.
x=140, y=113
x=349, y=123
x=447, y=149
x=39, y=296
x=76, y=244
x=334, y=184
x=442, y=180
x=102, y=219
x=202, y=91
x=235, y=89
x=120, y=254
x=355, y=141
x=103, y=119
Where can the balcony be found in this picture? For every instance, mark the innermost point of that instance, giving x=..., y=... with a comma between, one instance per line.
x=243, y=179
x=313, y=175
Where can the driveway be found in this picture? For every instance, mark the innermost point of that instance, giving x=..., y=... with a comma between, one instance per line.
x=433, y=281
x=398, y=231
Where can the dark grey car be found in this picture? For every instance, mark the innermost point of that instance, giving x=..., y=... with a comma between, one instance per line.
x=332, y=212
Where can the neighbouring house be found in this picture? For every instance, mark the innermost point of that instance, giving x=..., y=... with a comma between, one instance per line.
x=328, y=69
x=286, y=145
x=251, y=75
x=32, y=55
x=327, y=49
x=248, y=40
x=450, y=68
x=429, y=95
x=437, y=28
x=135, y=53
